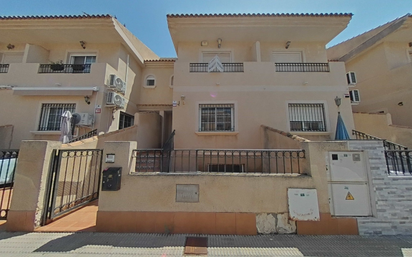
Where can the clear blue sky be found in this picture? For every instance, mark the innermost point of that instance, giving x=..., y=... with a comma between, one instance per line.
x=147, y=18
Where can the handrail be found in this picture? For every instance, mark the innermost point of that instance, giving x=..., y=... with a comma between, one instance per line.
x=389, y=145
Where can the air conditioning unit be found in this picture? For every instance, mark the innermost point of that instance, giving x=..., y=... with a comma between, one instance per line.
x=115, y=99
x=117, y=84
x=351, y=77
x=86, y=119
x=354, y=96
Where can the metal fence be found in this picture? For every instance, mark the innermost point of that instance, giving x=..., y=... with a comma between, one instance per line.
x=4, y=68
x=220, y=160
x=399, y=162
x=84, y=136
x=227, y=67
x=73, y=181
x=387, y=144
x=302, y=67
x=8, y=162
x=64, y=68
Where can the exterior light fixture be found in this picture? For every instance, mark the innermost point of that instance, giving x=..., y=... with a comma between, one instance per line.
x=10, y=46
x=400, y=103
x=287, y=44
x=204, y=43
x=87, y=99
x=410, y=44
x=219, y=42
x=83, y=44
x=338, y=101
x=182, y=98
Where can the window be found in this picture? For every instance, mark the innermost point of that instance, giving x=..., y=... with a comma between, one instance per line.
x=51, y=115
x=216, y=117
x=307, y=117
x=172, y=78
x=126, y=120
x=150, y=81
x=79, y=61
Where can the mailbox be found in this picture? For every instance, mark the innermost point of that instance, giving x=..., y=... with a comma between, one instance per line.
x=111, y=179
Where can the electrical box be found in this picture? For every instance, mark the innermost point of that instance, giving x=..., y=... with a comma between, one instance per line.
x=111, y=179
x=303, y=204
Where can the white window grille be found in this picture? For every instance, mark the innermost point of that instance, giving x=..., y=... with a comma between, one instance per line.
x=216, y=117
x=306, y=117
x=51, y=114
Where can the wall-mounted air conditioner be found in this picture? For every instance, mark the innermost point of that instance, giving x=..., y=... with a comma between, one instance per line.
x=117, y=84
x=351, y=78
x=84, y=119
x=354, y=96
x=115, y=99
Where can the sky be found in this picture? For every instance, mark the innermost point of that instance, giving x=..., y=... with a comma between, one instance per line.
x=146, y=19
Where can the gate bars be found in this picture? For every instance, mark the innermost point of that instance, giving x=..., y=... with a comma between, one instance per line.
x=73, y=181
x=8, y=162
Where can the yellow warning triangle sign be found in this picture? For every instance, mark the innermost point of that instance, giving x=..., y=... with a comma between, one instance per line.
x=349, y=196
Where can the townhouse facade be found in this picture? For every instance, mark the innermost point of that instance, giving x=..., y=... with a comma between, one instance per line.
x=381, y=60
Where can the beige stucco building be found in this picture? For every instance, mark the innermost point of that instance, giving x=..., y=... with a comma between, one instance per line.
x=90, y=65
x=381, y=59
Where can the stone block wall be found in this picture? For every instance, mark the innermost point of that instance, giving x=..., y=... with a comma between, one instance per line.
x=391, y=195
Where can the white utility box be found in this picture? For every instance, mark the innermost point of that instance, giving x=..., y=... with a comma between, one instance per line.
x=348, y=184
x=303, y=204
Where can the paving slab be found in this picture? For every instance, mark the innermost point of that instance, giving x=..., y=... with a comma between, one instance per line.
x=163, y=245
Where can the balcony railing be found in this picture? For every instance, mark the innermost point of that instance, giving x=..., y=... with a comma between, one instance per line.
x=302, y=67
x=227, y=67
x=4, y=68
x=85, y=136
x=64, y=68
x=220, y=160
x=399, y=162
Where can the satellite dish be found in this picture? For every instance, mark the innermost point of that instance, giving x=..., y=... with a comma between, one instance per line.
x=76, y=118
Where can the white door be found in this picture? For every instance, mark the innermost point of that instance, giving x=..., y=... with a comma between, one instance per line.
x=288, y=57
x=224, y=57
x=348, y=184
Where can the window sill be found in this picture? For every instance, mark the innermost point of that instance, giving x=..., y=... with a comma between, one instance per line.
x=150, y=87
x=46, y=132
x=217, y=133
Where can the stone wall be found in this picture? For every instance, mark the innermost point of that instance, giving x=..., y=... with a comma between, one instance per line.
x=391, y=195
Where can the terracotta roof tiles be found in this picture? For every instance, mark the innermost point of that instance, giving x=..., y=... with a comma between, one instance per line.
x=260, y=14
x=162, y=60
x=52, y=17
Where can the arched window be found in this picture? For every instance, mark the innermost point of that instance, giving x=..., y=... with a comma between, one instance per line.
x=172, y=78
x=150, y=81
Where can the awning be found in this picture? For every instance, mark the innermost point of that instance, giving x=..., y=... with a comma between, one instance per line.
x=341, y=132
x=54, y=90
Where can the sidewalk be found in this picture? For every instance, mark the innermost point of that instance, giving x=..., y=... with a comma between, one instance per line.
x=112, y=244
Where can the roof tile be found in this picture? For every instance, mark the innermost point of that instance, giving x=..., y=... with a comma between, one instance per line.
x=50, y=17
x=260, y=14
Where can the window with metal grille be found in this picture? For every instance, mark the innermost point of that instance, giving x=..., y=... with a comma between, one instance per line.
x=51, y=114
x=307, y=117
x=126, y=120
x=216, y=117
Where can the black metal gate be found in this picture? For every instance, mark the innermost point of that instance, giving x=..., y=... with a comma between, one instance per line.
x=8, y=161
x=73, y=181
x=167, y=151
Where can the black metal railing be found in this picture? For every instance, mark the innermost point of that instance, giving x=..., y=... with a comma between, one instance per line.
x=399, y=162
x=221, y=160
x=227, y=67
x=87, y=135
x=8, y=162
x=73, y=181
x=4, y=68
x=302, y=67
x=387, y=144
x=64, y=68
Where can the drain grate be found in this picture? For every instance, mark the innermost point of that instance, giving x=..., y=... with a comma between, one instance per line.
x=196, y=245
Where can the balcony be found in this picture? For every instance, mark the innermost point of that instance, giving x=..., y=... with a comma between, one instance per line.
x=64, y=68
x=4, y=68
x=40, y=75
x=262, y=74
x=227, y=67
x=302, y=67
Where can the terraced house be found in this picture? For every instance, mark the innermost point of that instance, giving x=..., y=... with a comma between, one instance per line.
x=242, y=133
